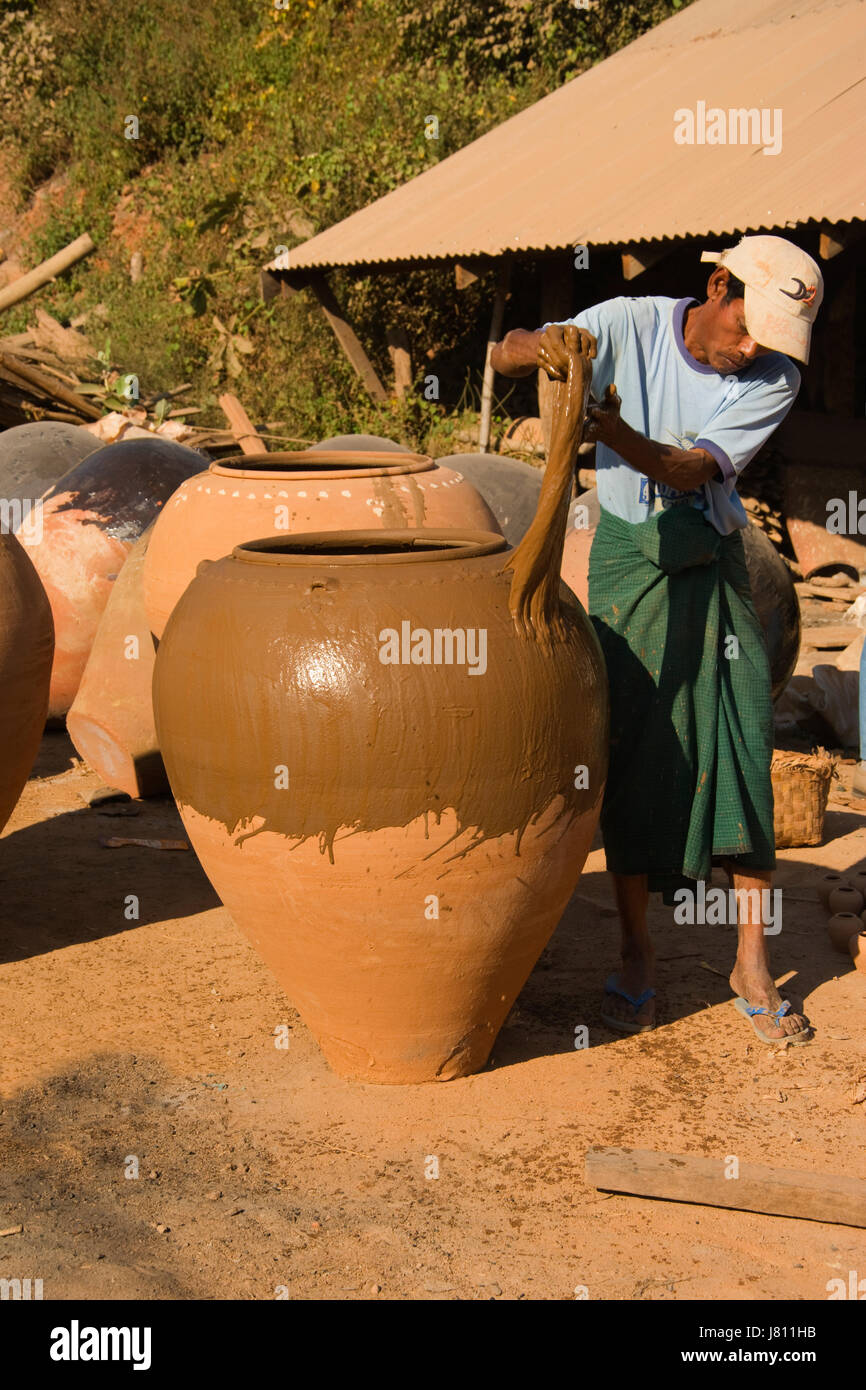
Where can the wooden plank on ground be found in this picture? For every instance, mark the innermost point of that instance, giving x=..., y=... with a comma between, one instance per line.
x=835, y=1198
x=829, y=637
x=41, y=274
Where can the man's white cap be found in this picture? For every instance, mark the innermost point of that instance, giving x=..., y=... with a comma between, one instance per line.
x=784, y=289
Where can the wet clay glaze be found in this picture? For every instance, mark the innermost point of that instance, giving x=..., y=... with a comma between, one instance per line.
x=111, y=719
x=26, y=649
x=315, y=490
x=397, y=835
x=773, y=592
x=91, y=519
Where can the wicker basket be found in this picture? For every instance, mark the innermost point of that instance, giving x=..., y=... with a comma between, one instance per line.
x=801, y=786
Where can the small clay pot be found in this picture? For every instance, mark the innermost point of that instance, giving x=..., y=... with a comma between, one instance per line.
x=857, y=947
x=845, y=900
x=842, y=926
x=827, y=885
x=858, y=881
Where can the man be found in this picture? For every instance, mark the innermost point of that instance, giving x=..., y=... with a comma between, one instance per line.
x=688, y=394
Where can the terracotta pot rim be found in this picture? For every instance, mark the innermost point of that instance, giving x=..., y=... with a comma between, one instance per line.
x=369, y=547
x=309, y=463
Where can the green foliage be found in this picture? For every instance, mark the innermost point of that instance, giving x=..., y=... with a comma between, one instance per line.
x=258, y=127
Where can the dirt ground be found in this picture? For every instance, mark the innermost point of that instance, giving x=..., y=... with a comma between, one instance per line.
x=151, y=1043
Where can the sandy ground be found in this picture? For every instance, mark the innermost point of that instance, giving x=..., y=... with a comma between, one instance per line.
x=151, y=1044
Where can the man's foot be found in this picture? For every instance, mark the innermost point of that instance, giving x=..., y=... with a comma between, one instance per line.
x=758, y=989
x=636, y=1013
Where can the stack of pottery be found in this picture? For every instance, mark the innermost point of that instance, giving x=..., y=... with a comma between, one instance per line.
x=240, y=499
x=26, y=649
x=89, y=522
x=844, y=900
x=394, y=764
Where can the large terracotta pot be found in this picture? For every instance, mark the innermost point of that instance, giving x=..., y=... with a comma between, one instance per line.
x=26, y=649
x=91, y=519
x=396, y=832
x=34, y=456
x=111, y=719
x=240, y=499
x=773, y=591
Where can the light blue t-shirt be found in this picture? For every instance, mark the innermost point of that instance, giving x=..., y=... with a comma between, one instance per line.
x=670, y=397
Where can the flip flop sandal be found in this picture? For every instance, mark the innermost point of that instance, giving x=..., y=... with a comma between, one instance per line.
x=744, y=1007
x=621, y=1025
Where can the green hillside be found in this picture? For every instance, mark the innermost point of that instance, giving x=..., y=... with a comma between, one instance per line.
x=258, y=125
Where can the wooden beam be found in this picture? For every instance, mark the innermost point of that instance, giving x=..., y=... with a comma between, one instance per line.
x=837, y=237
x=639, y=258
x=347, y=337
x=241, y=425
x=503, y=280
x=835, y=1198
x=401, y=360
x=557, y=290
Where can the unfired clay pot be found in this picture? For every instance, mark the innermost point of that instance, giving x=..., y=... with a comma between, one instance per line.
x=845, y=900
x=858, y=880
x=111, y=719
x=773, y=592
x=509, y=486
x=241, y=499
x=91, y=519
x=828, y=883
x=396, y=833
x=842, y=926
x=857, y=947
x=26, y=649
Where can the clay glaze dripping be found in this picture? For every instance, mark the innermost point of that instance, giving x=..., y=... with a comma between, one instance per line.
x=534, y=599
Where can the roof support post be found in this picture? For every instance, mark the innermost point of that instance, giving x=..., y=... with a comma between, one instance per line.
x=346, y=336
x=556, y=304
x=503, y=280
x=401, y=360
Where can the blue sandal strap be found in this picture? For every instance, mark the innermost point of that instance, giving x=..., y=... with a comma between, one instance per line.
x=611, y=987
x=780, y=1012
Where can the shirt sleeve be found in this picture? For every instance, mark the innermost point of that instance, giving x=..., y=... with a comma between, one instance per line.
x=606, y=323
x=746, y=418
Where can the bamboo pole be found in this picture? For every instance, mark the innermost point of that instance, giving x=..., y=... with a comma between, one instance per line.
x=41, y=274
x=499, y=298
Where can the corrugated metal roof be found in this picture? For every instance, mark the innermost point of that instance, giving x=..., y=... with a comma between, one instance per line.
x=595, y=162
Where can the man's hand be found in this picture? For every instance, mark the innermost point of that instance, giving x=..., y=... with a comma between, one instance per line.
x=552, y=354
x=603, y=420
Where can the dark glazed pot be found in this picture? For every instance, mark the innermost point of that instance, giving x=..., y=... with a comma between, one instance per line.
x=34, y=456
x=510, y=488
x=397, y=836
x=26, y=649
x=90, y=520
x=773, y=591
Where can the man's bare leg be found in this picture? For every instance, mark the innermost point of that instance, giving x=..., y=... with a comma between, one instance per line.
x=637, y=972
x=751, y=977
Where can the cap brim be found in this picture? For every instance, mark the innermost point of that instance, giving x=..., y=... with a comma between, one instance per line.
x=774, y=329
